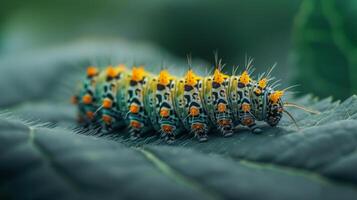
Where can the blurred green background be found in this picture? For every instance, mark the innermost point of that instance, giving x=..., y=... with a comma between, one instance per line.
x=313, y=41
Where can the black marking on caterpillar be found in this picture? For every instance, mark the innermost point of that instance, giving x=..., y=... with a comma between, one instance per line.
x=118, y=97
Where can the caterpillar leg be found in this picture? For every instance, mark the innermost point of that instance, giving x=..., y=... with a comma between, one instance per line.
x=107, y=120
x=135, y=129
x=200, y=131
x=168, y=132
x=250, y=123
x=111, y=118
x=254, y=128
x=111, y=122
x=223, y=120
x=89, y=116
x=225, y=127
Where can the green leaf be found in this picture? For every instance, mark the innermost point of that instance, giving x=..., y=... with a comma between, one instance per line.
x=48, y=161
x=60, y=163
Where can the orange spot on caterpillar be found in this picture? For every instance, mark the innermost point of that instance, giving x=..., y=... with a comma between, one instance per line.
x=275, y=96
x=135, y=124
x=164, y=77
x=194, y=111
x=197, y=126
x=134, y=108
x=219, y=77
x=164, y=112
x=107, y=103
x=138, y=73
x=191, y=78
x=87, y=99
x=245, y=107
x=167, y=128
x=92, y=71
x=257, y=90
x=222, y=107
x=107, y=119
x=224, y=122
x=111, y=72
x=90, y=115
x=263, y=83
x=247, y=121
x=244, y=78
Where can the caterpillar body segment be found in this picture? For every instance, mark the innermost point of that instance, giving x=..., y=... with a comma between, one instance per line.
x=150, y=101
x=168, y=119
x=139, y=122
x=216, y=102
x=246, y=98
x=259, y=98
x=189, y=103
x=87, y=97
x=111, y=107
x=170, y=105
x=274, y=107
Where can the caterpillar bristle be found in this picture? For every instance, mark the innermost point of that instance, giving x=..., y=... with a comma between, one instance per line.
x=292, y=119
x=287, y=104
x=189, y=61
x=248, y=63
x=234, y=70
x=118, y=97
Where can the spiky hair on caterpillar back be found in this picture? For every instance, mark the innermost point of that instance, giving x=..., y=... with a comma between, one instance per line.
x=171, y=105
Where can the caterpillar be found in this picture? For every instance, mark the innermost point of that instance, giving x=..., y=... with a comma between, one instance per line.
x=119, y=97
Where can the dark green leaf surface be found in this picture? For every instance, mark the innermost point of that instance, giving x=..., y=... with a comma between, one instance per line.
x=44, y=164
x=48, y=163
x=52, y=161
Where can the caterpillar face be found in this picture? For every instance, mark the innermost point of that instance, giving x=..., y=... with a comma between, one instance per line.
x=275, y=113
x=172, y=105
x=275, y=108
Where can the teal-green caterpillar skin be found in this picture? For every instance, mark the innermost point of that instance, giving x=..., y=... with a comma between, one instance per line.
x=169, y=105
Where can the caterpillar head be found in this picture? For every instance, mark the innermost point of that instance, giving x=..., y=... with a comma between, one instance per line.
x=274, y=108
